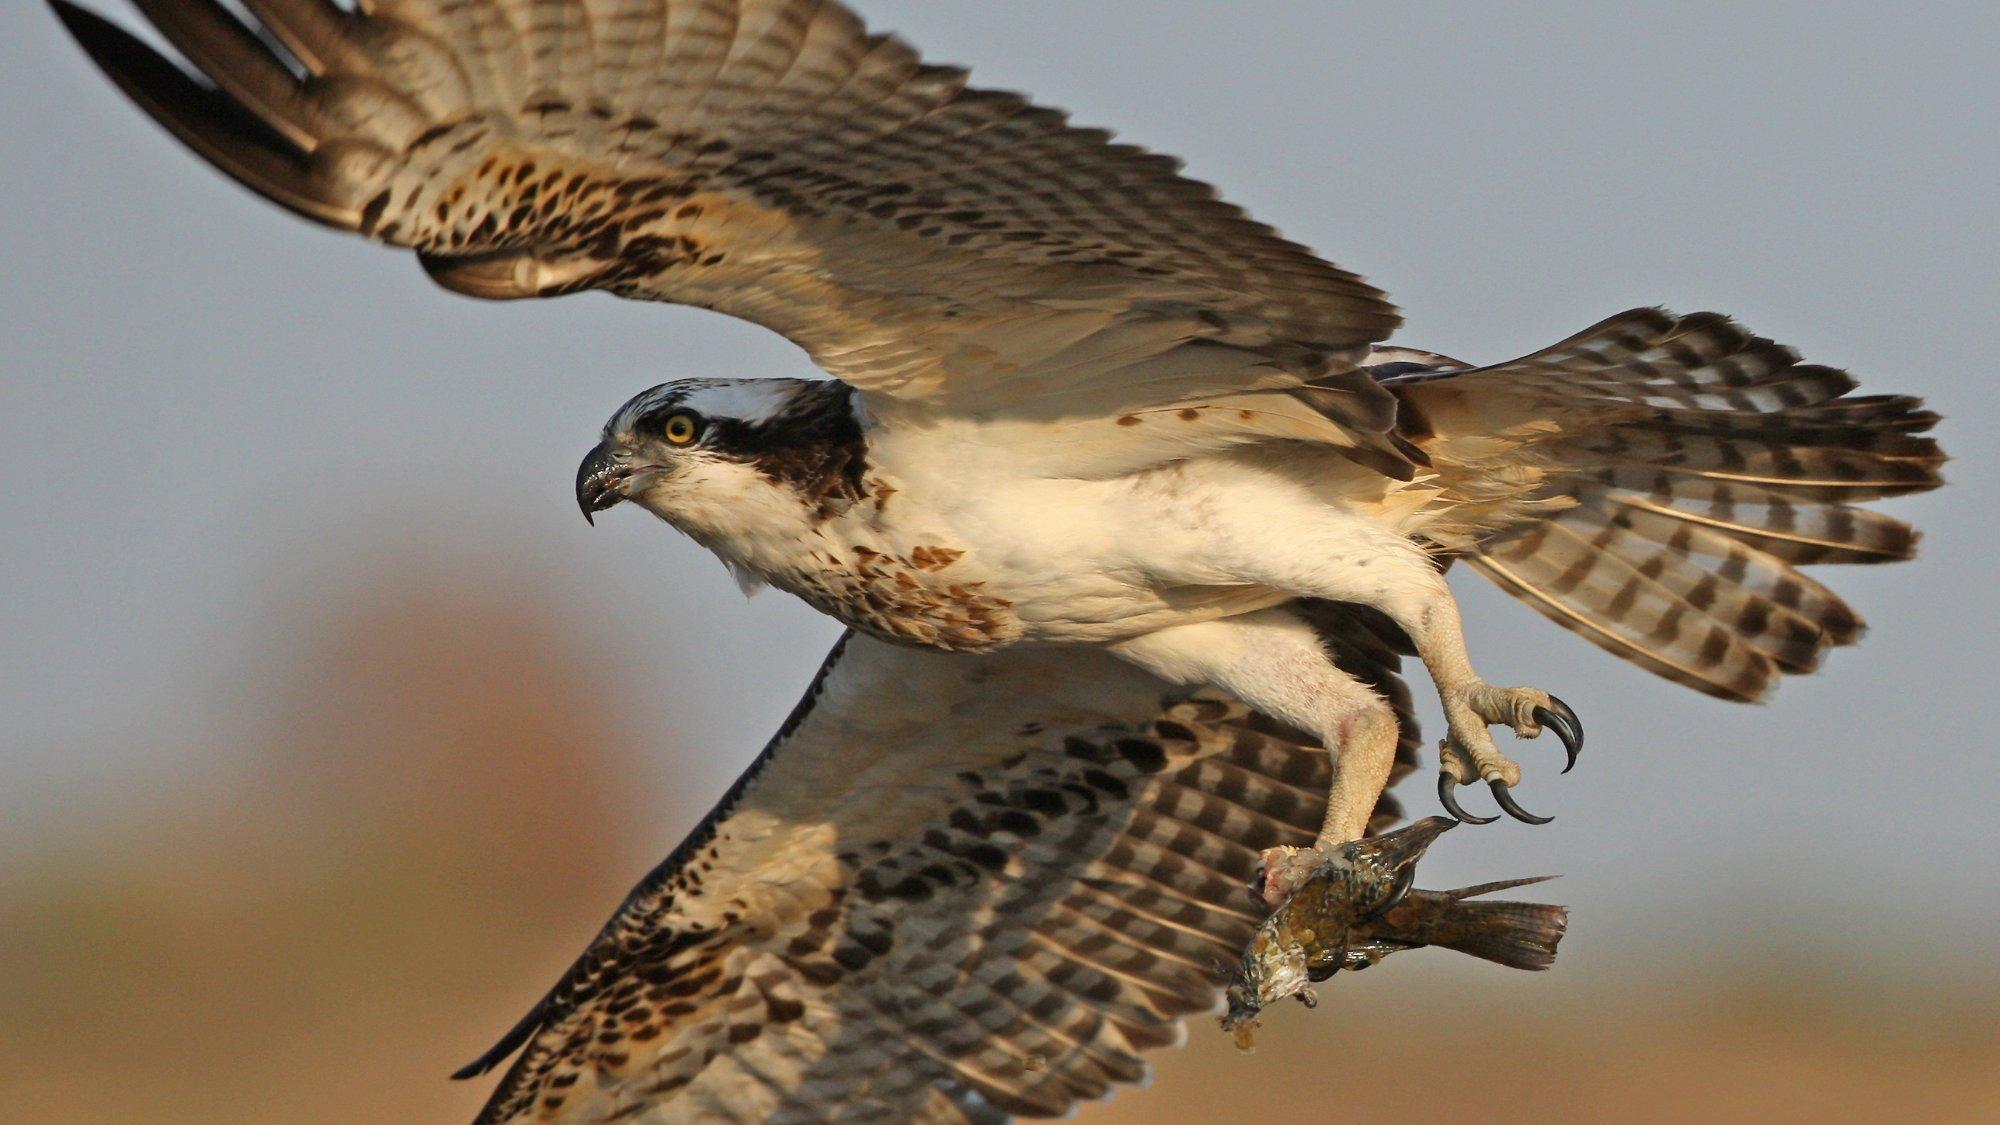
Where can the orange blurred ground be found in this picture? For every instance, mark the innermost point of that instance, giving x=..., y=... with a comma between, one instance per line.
x=433, y=819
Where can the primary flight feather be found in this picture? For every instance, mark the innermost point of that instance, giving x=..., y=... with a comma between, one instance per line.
x=1127, y=504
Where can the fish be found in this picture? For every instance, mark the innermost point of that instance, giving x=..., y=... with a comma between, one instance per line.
x=1351, y=884
x=1360, y=904
x=1519, y=935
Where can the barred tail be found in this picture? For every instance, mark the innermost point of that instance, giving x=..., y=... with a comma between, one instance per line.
x=1701, y=466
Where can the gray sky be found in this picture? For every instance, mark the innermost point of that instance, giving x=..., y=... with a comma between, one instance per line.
x=211, y=410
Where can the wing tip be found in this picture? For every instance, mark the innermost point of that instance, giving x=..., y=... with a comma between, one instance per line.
x=516, y=1038
x=85, y=26
x=218, y=129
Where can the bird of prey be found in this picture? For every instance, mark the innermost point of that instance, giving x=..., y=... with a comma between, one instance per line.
x=1129, y=509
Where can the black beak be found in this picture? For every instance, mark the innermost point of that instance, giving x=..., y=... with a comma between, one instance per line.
x=600, y=480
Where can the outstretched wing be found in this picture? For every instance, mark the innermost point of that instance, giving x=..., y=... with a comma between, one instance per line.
x=921, y=238
x=953, y=888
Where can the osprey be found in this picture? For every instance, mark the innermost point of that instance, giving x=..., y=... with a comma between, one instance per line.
x=1128, y=508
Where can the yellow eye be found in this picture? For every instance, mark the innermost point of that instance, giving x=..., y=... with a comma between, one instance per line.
x=681, y=429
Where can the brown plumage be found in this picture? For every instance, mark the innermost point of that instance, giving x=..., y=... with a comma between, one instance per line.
x=770, y=159
x=1306, y=936
x=1654, y=483
x=987, y=899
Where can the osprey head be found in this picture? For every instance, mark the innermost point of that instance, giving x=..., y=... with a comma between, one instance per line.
x=704, y=453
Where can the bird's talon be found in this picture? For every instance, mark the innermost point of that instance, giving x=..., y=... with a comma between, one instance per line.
x=1466, y=757
x=1504, y=795
x=1558, y=717
x=1448, y=797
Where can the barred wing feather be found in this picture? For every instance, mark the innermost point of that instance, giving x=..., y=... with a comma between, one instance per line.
x=954, y=888
x=771, y=159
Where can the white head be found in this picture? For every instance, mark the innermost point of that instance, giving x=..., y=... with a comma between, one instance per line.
x=716, y=457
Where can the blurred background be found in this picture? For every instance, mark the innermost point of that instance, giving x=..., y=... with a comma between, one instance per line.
x=331, y=733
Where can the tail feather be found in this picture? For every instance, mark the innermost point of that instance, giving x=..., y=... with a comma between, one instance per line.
x=1711, y=554
x=1669, y=487
x=1796, y=533
x=1597, y=584
x=1771, y=460
x=1806, y=387
x=1830, y=424
x=1903, y=413
x=1687, y=468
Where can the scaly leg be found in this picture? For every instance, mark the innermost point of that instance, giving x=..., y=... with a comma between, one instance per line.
x=1471, y=705
x=1274, y=661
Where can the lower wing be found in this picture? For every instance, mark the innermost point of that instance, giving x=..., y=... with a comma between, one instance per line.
x=953, y=888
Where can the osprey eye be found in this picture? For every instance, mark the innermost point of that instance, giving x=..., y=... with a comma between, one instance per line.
x=682, y=429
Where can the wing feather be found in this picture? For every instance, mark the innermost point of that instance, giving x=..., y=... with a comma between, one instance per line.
x=952, y=888
x=215, y=126
x=922, y=238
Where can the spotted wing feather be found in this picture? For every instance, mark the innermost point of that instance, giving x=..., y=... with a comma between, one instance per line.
x=920, y=237
x=954, y=888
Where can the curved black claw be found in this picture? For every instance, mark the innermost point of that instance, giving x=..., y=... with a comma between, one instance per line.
x=1508, y=806
x=1448, y=797
x=1558, y=717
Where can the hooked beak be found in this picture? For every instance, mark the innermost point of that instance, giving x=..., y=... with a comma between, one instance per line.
x=600, y=480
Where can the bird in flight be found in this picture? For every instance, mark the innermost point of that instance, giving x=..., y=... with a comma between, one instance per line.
x=1129, y=509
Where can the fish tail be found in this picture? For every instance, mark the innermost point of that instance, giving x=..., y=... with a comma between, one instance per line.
x=1519, y=935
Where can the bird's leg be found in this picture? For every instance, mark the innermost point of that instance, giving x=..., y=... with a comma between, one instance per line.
x=1471, y=705
x=1343, y=559
x=1362, y=744
x=1274, y=661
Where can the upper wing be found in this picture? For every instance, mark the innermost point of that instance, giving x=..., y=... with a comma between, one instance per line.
x=953, y=888
x=767, y=158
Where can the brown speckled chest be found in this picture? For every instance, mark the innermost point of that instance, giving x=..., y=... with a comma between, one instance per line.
x=920, y=595
x=909, y=599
